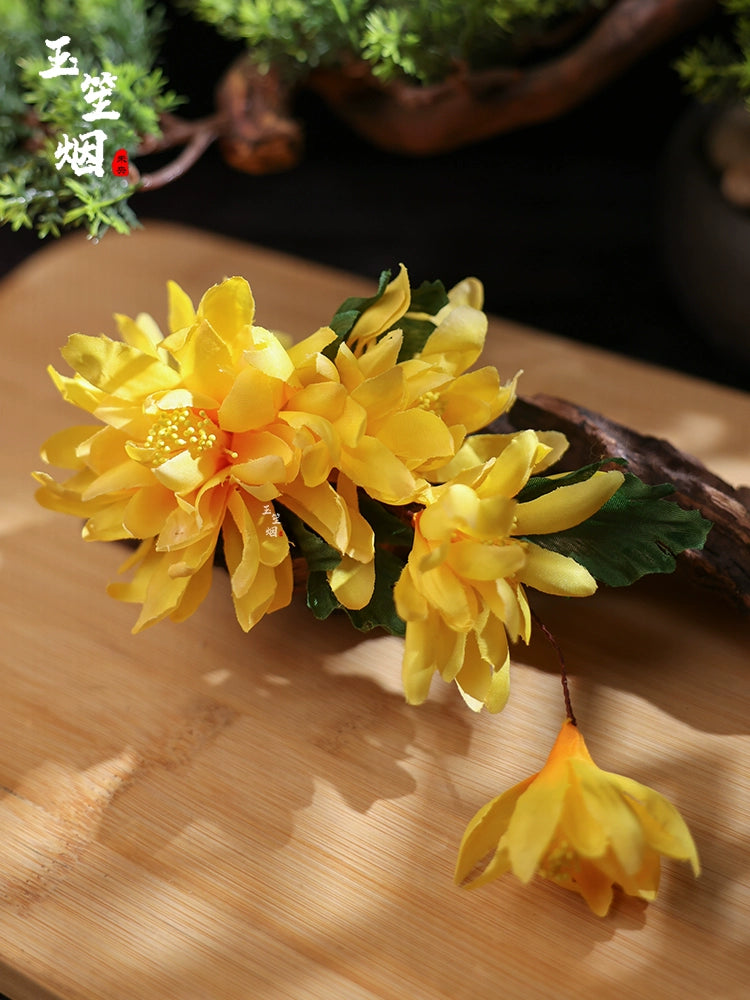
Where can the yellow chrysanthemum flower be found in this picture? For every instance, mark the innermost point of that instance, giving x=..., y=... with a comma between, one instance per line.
x=401, y=421
x=461, y=593
x=201, y=432
x=583, y=828
x=204, y=429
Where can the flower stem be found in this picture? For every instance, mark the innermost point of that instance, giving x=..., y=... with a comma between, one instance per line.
x=563, y=671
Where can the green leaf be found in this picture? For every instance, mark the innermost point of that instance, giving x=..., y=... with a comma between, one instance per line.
x=390, y=532
x=381, y=610
x=416, y=332
x=349, y=312
x=636, y=532
x=318, y=554
x=320, y=598
x=537, y=486
x=389, y=529
x=429, y=298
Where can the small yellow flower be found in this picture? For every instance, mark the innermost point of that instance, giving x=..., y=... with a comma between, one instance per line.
x=583, y=828
x=462, y=593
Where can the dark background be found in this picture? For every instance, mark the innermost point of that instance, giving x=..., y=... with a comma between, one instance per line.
x=561, y=221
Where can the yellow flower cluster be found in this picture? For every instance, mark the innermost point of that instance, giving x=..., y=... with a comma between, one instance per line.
x=583, y=828
x=220, y=429
x=200, y=432
x=462, y=591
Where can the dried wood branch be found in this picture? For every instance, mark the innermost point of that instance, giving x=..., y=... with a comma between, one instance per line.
x=421, y=120
x=724, y=563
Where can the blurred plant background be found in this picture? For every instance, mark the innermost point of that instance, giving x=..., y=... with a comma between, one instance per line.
x=560, y=220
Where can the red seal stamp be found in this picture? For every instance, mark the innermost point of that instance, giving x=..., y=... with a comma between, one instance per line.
x=120, y=166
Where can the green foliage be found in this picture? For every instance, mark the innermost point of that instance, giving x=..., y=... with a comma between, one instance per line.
x=718, y=69
x=41, y=116
x=638, y=531
x=420, y=40
x=393, y=538
x=428, y=299
x=349, y=312
x=291, y=33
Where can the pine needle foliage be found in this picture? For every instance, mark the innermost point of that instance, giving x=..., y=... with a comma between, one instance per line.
x=418, y=40
x=119, y=37
x=718, y=68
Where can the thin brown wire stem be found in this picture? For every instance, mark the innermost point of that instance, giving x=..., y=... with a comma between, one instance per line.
x=563, y=670
x=200, y=140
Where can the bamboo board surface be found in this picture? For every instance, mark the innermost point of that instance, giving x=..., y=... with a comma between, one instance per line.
x=197, y=814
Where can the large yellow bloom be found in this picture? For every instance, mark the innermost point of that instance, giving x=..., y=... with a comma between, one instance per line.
x=201, y=432
x=462, y=590
x=401, y=421
x=583, y=828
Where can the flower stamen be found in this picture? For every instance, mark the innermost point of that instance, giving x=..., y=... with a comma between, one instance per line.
x=181, y=429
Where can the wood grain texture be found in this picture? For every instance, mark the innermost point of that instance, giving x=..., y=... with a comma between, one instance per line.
x=197, y=814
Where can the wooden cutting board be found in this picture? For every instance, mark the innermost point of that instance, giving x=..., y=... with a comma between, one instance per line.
x=197, y=814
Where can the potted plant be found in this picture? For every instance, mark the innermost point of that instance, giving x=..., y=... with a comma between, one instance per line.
x=415, y=78
x=707, y=189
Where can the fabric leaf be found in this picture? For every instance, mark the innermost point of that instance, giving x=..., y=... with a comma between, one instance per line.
x=349, y=312
x=637, y=531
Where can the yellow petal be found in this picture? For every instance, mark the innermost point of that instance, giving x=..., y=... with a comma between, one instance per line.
x=77, y=391
x=596, y=817
x=325, y=399
x=476, y=399
x=663, y=826
x=533, y=824
x=182, y=473
x=596, y=888
x=352, y=582
x=483, y=834
x=381, y=356
x=62, y=449
x=410, y=604
x=429, y=646
x=416, y=436
x=510, y=471
x=252, y=402
x=384, y=313
x=268, y=354
x=117, y=368
x=381, y=474
x=205, y=361
x=301, y=352
x=553, y=573
x=181, y=313
x=230, y=309
x=322, y=509
x=484, y=680
x=141, y=333
x=381, y=395
x=458, y=341
x=147, y=511
x=241, y=543
x=196, y=591
x=567, y=505
x=476, y=561
x=361, y=535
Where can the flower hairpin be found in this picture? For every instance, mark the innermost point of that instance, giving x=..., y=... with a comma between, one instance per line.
x=365, y=455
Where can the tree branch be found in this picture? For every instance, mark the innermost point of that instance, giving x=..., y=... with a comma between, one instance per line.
x=470, y=107
x=724, y=562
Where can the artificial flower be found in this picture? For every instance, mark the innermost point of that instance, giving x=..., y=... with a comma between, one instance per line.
x=406, y=419
x=585, y=829
x=203, y=431
x=200, y=432
x=462, y=593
